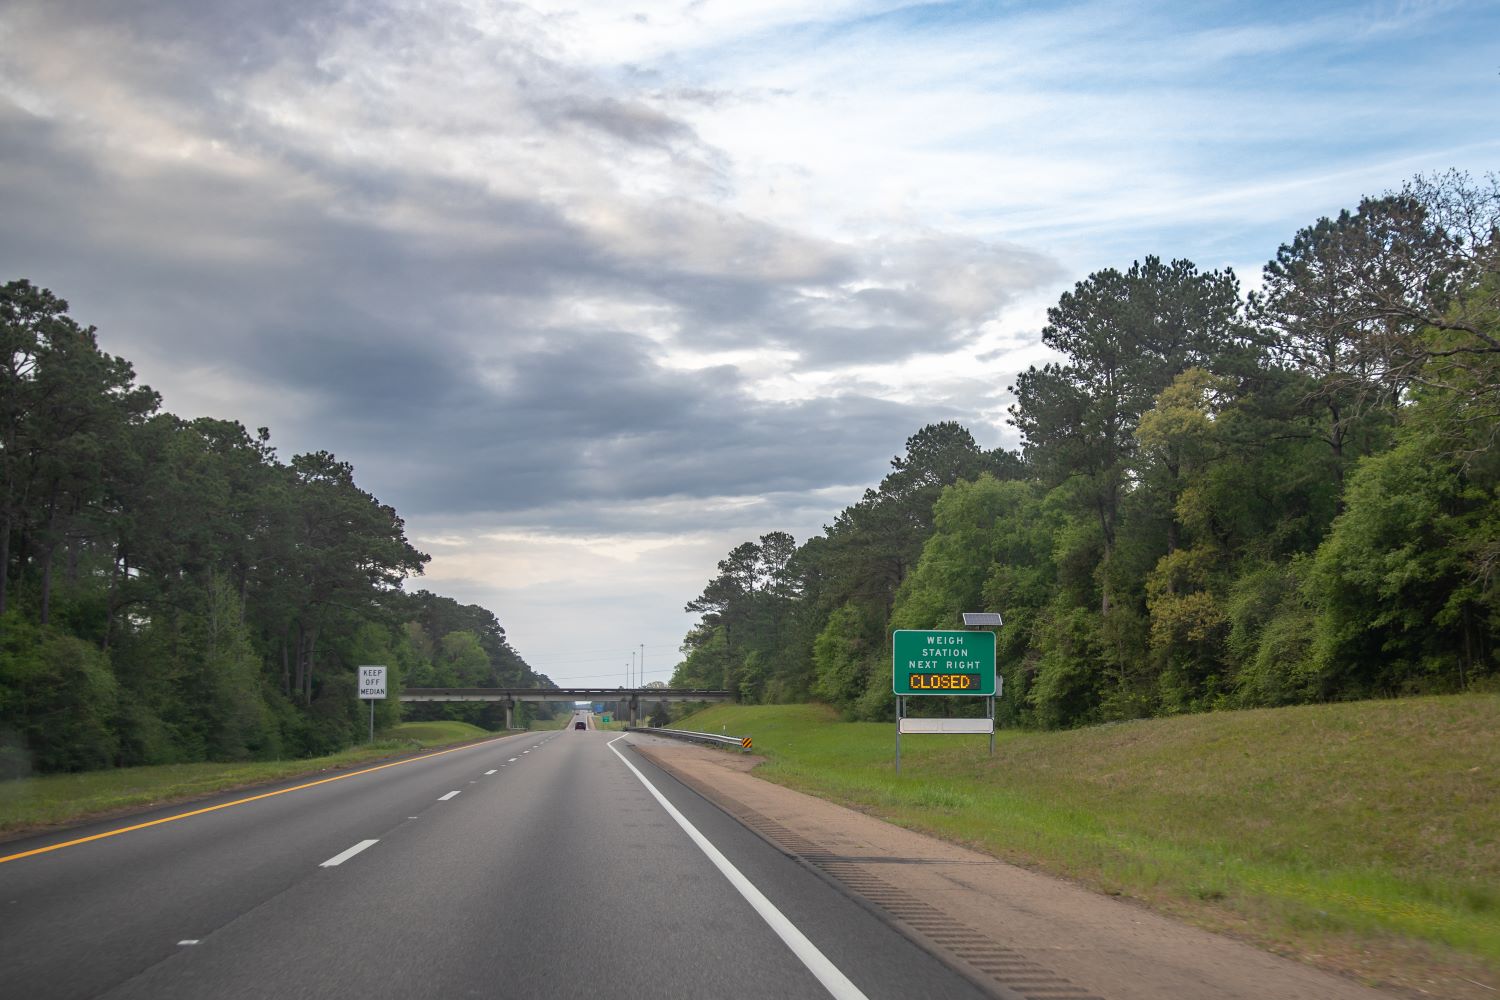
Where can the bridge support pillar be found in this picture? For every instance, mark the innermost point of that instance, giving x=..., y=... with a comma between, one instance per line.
x=510, y=715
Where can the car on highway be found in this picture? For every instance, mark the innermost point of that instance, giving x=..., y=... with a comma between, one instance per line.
x=580, y=725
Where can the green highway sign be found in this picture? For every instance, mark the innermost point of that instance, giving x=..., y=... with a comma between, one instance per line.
x=943, y=661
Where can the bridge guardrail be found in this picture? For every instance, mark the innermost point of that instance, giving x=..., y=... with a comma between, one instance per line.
x=738, y=742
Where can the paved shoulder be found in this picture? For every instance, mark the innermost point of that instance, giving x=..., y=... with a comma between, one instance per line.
x=1024, y=931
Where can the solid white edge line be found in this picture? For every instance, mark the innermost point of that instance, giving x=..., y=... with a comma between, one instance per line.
x=339, y=859
x=445, y=798
x=834, y=981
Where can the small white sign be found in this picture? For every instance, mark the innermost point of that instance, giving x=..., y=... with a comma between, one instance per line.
x=985, y=726
x=372, y=682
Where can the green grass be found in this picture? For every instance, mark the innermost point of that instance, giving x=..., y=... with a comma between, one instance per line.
x=27, y=803
x=441, y=733
x=1365, y=828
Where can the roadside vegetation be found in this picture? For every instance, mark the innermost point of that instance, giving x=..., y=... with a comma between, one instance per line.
x=442, y=732
x=1220, y=500
x=173, y=591
x=48, y=800
x=1365, y=835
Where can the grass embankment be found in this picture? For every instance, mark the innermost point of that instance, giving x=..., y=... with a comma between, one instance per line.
x=434, y=734
x=1363, y=835
x=27, y=803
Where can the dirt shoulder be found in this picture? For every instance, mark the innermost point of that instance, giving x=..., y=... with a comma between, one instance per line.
x=1017, y=930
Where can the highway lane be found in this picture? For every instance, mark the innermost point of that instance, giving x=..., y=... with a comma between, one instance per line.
x=558, y=874
x=77, y=920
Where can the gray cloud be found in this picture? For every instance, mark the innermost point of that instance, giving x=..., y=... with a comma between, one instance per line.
x=632, y=121
x=319, y=207
x=588, y=420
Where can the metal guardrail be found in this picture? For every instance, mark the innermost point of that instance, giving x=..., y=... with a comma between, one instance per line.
x=738, y=742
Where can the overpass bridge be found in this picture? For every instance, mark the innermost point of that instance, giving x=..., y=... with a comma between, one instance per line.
x=509, y=696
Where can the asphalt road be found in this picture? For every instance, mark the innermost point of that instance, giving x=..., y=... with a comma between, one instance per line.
x=535, y=865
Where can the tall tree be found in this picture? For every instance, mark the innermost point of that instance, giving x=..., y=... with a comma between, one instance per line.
x=346, y=547
x=1430, y=260
x=1319, y=326
x=875, y=543
x=1125, y=336
x=65, y=408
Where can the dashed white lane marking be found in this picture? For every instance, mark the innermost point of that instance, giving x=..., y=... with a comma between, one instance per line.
x=188, y=941
x=445, y=798
x=834, y=981
x=490, y=771
x=526, y=751
x=512, y=760
x=339, y=859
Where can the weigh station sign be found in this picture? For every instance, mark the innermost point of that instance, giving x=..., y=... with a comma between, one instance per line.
x=951, y=662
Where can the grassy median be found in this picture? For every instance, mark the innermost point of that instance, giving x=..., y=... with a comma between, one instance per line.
x=1364, y=835
x=29, y=803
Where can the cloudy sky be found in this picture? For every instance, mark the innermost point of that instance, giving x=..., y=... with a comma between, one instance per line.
x=592, y=291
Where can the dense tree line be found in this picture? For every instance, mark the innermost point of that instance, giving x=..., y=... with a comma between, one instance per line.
x=173, y=591
x=1220, y=500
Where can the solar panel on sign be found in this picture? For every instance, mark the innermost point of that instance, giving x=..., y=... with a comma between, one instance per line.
x=982, y=619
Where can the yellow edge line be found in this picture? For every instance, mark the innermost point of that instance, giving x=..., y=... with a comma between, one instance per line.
x=240, y=802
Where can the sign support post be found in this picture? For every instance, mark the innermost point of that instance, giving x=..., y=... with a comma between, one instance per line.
x=900, y=714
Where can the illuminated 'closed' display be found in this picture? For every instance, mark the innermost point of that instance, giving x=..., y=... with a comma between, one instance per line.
x=944, y=682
